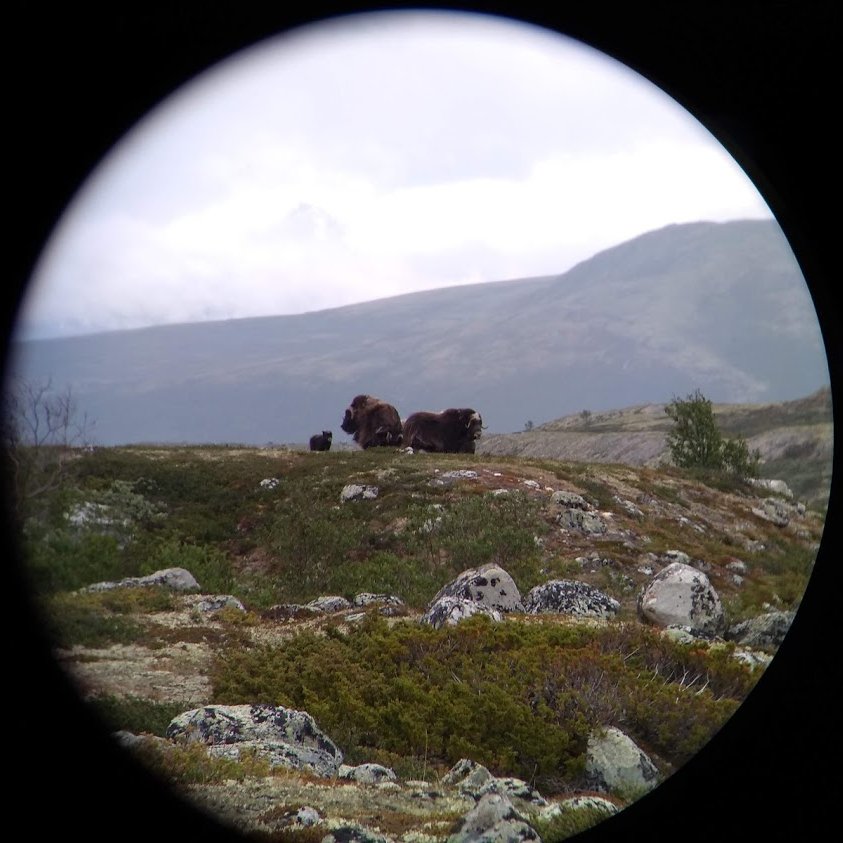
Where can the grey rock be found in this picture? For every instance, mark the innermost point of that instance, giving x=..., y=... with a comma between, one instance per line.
x=616, y=765
x=448, y=611
x=220, y=601
x=578, y=803
x=582, y=521
x=355, y=492
x=469, y=777
x=307, y=816
x=570, y=597
x=493, y=820
x=177, y=579
x=778, y=487
x=284, y=737
x=490, y=588
x=385, y=601
x=570, y=500
x=513, y=788
x=367, y=773
x=680, y=595
x=773, y=510
x=329, y=604
x=766, y=632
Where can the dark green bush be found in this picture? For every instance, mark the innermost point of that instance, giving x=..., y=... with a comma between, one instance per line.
x=137, y=715
x=520, y=699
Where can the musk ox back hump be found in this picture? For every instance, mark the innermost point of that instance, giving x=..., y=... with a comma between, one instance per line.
x=372, y=422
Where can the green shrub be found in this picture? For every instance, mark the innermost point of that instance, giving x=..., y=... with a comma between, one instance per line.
x=80, y=620
x=191, y=764
x=520, y=699
x=62, y=560
x=137, y=715
x=568, y=823
x=210, y=566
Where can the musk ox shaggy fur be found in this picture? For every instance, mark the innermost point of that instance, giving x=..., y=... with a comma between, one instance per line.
x=372, y=422
x=453, y=431
x=321, y=441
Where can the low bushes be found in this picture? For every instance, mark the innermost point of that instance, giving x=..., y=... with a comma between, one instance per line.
x=520, y=699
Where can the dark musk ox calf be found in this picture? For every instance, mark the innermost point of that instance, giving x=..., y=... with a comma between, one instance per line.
x=372, y=422
x=321, y=441
x=453, y=431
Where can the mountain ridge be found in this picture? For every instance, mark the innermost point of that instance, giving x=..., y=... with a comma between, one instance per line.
x=718, y=306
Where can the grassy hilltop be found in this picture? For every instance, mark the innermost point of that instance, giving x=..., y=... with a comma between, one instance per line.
x=268, y=527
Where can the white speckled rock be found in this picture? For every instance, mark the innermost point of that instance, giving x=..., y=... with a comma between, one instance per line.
x=488, y=589
x=569, y=597
x=681, y=595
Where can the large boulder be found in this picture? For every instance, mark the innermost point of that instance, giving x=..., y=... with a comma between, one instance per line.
x=569, y=597
x=488, y=589
x=680, y=595
x=493, y=820
x=615, y=764
x=283, y=736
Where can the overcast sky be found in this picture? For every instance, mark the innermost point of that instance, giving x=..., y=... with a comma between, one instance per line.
x=348, y=162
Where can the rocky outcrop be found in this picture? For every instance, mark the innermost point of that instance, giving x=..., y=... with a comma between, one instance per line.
x=616, y=765
x=569, y=597
x=680, y=595
x=283, y=736
x=488, y=589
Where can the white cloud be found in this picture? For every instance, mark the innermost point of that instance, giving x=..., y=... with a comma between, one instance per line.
x=342, y=163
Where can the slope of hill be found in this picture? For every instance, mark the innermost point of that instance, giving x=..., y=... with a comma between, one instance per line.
x=265, y=533
x=721, y=307
x=795, y=439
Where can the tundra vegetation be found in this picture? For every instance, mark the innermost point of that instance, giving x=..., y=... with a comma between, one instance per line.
x=391, y=690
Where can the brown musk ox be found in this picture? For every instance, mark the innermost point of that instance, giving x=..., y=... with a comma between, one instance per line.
x=453, y=431
x=372, y=422
x=321, y=441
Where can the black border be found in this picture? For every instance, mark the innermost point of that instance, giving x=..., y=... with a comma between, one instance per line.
x=762, y=76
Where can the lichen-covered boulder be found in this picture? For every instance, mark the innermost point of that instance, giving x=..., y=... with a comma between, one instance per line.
x=569, y=597
x=283, y=736
x=766, y=632
x=488, y=589
x=493, y=820
x=680, y=595
x=615, y=764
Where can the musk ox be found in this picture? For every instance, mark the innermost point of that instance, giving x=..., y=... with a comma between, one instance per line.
x=372, y=422
x=321, y=441
x=453, y=431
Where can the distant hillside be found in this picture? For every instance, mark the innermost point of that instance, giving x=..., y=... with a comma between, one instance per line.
x=718, y=306
x=795, y=439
